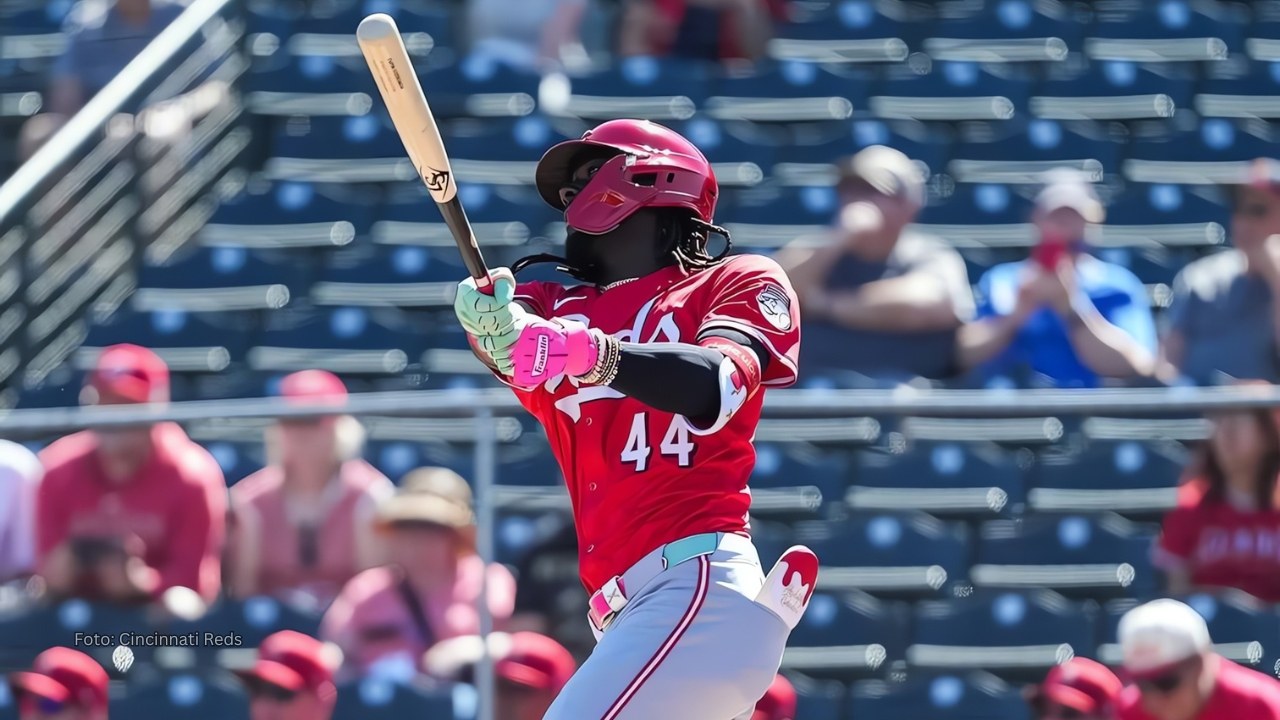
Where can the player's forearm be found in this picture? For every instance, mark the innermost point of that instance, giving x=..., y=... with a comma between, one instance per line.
x=672, y=377
x=981, y=340
x=913, y=303
x=1106, y=349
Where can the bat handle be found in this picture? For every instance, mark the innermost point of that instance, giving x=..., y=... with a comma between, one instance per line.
x=484, y=283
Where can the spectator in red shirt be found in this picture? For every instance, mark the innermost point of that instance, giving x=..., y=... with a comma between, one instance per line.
x=387, y=618
x=292, y=678
x=699, y=29
x=1177, y=676
x=20, y=474
x=778, y=703
x=126, y=514
x=305, y=524
x=1079, y=689
x=530, y=669
x=63, y=684
x=1225, y=531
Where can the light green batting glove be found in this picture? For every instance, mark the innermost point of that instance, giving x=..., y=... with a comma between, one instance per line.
x=493, y=320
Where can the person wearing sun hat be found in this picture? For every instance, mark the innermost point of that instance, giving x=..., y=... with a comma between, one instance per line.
x=62, y=683
x=292, y=678
x=1078, y=689
x=386, y=618
x=1176, y=675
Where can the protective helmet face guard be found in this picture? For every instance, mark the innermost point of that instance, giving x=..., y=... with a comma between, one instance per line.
x=622, y=186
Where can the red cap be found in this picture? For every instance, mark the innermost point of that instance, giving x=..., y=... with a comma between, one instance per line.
x=313, y=387
x=778, y=703
x=66, y=676
x=293, y=661
x=1080, y=684
x=536, y=661
x=128, y=374
x=1264, y=174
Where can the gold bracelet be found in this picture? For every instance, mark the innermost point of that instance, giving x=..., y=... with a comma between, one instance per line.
x=609, y=351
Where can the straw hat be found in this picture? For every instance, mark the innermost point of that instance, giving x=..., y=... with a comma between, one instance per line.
x=434, y=495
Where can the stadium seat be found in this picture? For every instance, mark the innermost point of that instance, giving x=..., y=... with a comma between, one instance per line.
x=980, y=217
x=504, y=152
x=249, y=621
x=34, y=34
x=1113, y=90
x=809, y=157
x=1094, y=556
x=29, y=630
x=1240, y=89
x=288, y=215
x=950, y=91
x=402, y=276
x=738, y=160
x=660, y=89
x=1013, y=633
x=947, y=478
x=795, y=478
x=237, y=460
x=449, y=362
x=1019, y=152
x=188, y=343
x=498, y=220
x=354, y=340
x=186, y=695
x=1011, y=31
x=847, y=635
x=219, y=279
x=312, y=85
x=845, y=32
x=1173, y=216
x=968, y=696
x=1170, y=31
x=479, y=87
x=771, y=217
x=1242, y=628
x=361, y=148
x=790, y=91
x=1218, y=150
x=907, y=553
x=329, y=28
x=1126, y=476
x=374, y=699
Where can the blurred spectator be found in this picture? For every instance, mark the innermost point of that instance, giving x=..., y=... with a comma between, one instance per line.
x=699, y=29
x=20, y=474
x=1223, y=316
x=549, y=592
x=386, y=618
x=127, y=513
x=533, y=35
x=102, y=37
x=778, y=703
x=880, y=299
x=1079, y=689
x=292, y=678
x=1222, y=533
x=530, y=669
x=1177, y=675
x=63, y=684
x=1062, y=313
x=305, y=524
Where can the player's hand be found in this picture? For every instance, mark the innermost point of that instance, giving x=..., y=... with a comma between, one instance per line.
x=547, y=349
x=482, y=314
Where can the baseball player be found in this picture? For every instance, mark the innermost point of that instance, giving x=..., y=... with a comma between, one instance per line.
x=648, y=378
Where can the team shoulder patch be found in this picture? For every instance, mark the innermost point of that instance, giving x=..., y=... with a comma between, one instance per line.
x=776, y=306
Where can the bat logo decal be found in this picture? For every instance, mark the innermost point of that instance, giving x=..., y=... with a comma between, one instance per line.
x=437, y=181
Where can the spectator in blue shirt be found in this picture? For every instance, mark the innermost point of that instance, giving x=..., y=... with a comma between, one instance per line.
x=1062, y=313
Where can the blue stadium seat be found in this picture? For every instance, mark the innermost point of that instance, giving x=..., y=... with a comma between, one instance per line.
x=1018, y=152
x=1169, y=31
x=402, y=276
x=770, y=217
x=948, y=478
x=810, y=157
x=517, y=532
x=250, y=620
x=950, y=91
x=1113, y=90
x=1242, y=628
x=1175, y=216
x=288, y=215
x=220, y=279
x=373, y=699
x=980, y=216
x=968, y=696
x=1010, y=31
x=847, y=31
x=342, y=340
x=817, y=699
x=362, y=148
x=790, y=91
x=504, y=152
x=188, y=343
x=329, y=28
x=395, y=458
x=908, y=553
x=479, y=87
x=739, y=160
x=847, y=635
x=1125, y=476
x=660, y=89
x=187, y=695
x=450, y=364
x=795, y=478
x=237, y=460
x=1011, y=632
x=498, y=219
x=312, y=85
x=1219, y=150
x=60, y=388
x=28, y=630
x=1240, y=89
x=1094, y=556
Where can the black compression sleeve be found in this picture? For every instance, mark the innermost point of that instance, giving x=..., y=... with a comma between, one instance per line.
x=676, y=377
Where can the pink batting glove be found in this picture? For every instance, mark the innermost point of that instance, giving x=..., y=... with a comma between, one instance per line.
x=549, y=348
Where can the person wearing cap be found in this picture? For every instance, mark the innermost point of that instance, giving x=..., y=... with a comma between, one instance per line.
x=128, y=513
x=386, y=618
x=1062, y=313
x=529, y=668
x=1176, y=675
x=1078, y=689
x=1226, y=306
x=305, y=524
x=292, y=678
x=20, y=474
x=778, y=703
x=879, y=299
x=62, y=684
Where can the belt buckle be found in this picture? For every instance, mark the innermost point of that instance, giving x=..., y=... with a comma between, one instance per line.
x=606, y=603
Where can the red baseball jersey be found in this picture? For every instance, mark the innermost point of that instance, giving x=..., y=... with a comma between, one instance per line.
x=1222, y=546
x=1240, y=693
x=639, y=478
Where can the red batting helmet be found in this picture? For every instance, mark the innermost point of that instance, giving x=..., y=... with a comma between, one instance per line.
x=652, y=166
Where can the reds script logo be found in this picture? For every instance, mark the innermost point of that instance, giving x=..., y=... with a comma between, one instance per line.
x=776, y=306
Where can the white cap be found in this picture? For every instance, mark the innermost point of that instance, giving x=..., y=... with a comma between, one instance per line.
x=1159, y=634
x=1066, y=188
